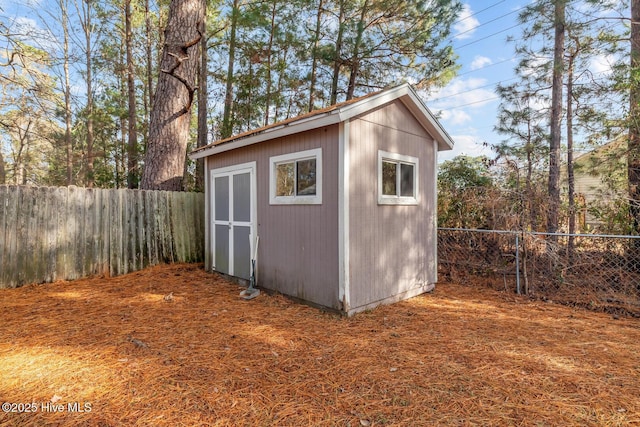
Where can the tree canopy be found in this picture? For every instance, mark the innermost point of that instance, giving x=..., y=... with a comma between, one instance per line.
x=81, y=81
x=86, y=74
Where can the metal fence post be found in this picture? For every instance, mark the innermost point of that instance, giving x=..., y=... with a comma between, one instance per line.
x=517, y=264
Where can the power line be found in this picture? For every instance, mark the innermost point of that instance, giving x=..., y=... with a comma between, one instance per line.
x=508, y=80
x=490, y=21
x=471, y=90
x=594, y=78
x=479, y=87
x=486, y=37
x=490, y=65
x=486, y=66
x=470, y=103
x=490, y=99
x=480, y=11
x=603, y=104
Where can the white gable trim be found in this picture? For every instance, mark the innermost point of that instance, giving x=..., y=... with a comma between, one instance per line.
x=342, y=114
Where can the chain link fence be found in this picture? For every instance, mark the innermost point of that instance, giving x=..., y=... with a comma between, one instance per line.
x=598, y=272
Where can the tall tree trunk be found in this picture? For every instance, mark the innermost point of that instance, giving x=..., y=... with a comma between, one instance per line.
x=67, y=92
x=249, y=88
x=337, y=61
x=267, y=100
x=227, y=122
x=203, y=131
x=355, y=59
x=532, y=205
x=280, y=86
x=149, y=43
x=171, y=112
x=556, y=118
x=633, y=156
x=570, y=174
x=88, y=29
x=3, y=170
x=530, y=148
x=149, y=54
x=27, y=160
x=132, y=131
x=314, y=57
x=121, y=160
x=19, y=159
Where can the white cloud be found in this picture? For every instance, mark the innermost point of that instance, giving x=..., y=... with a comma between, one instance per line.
x=603, y=9
x=466, y=24
x=462, y=93
x=454, y=117
x=480, y=61
x=602, y=64
x=31, y=32
x=27, y=24
x=462, y=107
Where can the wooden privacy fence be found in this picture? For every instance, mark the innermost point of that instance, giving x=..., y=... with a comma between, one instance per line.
x=65, y=233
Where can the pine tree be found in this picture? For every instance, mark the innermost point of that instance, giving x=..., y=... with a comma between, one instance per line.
x=171, y=112
x=633, y=158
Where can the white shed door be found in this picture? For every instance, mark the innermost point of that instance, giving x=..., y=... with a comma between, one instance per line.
x=233, y=213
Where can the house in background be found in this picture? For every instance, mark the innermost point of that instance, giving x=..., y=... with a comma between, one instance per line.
x=600, y=179
x=343, y=200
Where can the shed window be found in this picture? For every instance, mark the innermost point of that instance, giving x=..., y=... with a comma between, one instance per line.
x=296, y=178
x=397, y=179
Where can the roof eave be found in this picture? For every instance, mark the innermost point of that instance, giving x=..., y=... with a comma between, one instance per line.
x=403, y=92
x=303, y=125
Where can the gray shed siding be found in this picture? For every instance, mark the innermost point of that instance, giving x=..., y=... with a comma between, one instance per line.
x=298, y=251
x=392, y=248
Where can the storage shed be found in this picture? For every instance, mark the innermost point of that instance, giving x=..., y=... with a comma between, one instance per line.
x=343, y=201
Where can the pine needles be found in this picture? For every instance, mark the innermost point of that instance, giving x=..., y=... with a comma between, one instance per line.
x=203, y=356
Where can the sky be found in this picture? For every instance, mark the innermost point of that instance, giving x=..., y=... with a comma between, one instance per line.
x=468, y=106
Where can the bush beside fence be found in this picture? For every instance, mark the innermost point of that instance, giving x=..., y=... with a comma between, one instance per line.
x=601, y=272
x=64, y=233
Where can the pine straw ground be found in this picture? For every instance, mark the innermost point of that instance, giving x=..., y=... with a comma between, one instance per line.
x=202, y=356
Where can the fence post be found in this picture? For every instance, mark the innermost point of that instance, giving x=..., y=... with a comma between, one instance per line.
x=517, y=264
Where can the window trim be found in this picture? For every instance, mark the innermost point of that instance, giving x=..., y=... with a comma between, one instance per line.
x=384, y=199
x=274, y=161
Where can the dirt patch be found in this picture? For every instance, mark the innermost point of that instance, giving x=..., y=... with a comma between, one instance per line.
x=174, y=345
